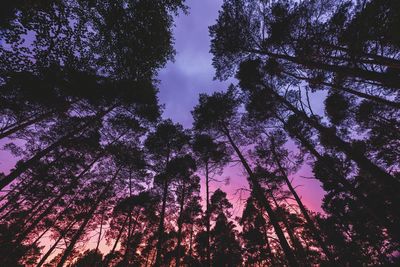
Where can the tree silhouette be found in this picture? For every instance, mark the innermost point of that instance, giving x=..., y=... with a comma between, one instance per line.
x=212, y=157
x=281, y=53
x=225, y=246
x=218, y=113
x=165, y=145
x=103, y=179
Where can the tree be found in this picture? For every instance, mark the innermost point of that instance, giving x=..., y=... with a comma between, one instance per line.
x=211, y=156
x=218, y=114
x=167, y=142
x=75, y=104
x=226, y=250
x=88, y=258
x=281, y=52
x=257, y=246
x=272, y=152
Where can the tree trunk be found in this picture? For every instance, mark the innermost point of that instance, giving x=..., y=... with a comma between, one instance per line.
x=160, y=234
x=81, y=229
x=260, y=197
x=373, y=98
x=180, y=224
x=99, y=239
x=107, y=261
x=363, y=162
x=392, y=81
x=131, y=230
x=316, y=233
x=23, y=125
x=268, y=248
x=53, y=247
x=208, y=225
x=24, y=166
x=300, y=252
x=376, y=213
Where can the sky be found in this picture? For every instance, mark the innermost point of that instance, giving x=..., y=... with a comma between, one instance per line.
x=192, y=73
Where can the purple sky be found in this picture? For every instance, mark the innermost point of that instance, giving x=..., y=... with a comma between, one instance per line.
x=192, y=73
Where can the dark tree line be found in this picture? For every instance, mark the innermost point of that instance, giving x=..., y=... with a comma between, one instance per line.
x=102, y=180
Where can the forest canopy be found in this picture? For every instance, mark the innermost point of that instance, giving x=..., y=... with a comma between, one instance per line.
x=102, y=178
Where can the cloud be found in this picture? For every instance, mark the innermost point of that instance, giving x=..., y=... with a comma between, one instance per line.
x=191, y=73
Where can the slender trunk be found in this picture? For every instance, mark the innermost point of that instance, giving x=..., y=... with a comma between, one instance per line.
x=52, y=224
x=161, y=225
x=370, y=205
x=26, y=165
x=81, y=229
x=268, y=248
x=208, y=225
x=191, y=240
x=32, y=181
x=99, y=239
x=153, y=258
x=34, y=208
x=358, y=157
x=21, y=187
x=9, y=125
x=107, y=261
x=260, y=196
x=352, y=91
x=316, y=233
x=33, y=225
x=53, y=247
x=57, y=200
x=131, y=230
x=382, y=78
x=380, y=60
x=180, y=224
x=23, y=125
x=147, y=258
x=301, y=254
x=76, y=236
